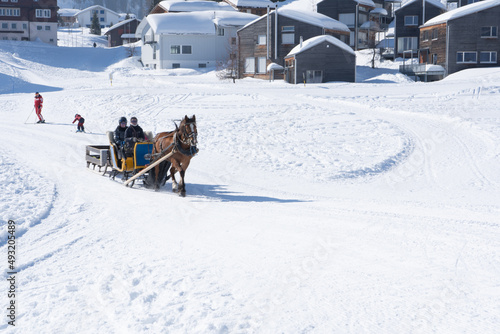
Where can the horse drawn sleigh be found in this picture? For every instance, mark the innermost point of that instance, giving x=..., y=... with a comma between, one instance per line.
x=154, y=161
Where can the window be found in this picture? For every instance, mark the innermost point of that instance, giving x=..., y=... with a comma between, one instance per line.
x=14, y=26
x=101, y=19
x=434, y=34
x=261, y=65
x=250, y=65
x=220, y=31
x=47, y=28
x=425, y=35
x=407, y=43
x=489, y=32
x=25, y=26
x=5, y=26
x=102, y=11
x=94, y=11
x=434, y=58
x=176, y=65
x=10, y=12
x=175, y=49
x=288, y=35
x=314, y=76
x=202, y=65
x=43, y=13
x=180, y=49
x=38, y=27
x=488, y=57
x=411, y=20
x=348, y=19
x=467, y=57
x=233, y=40
x=13, y=0
x=261, y=40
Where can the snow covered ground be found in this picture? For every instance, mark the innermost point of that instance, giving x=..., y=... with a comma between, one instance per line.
x=367, y=207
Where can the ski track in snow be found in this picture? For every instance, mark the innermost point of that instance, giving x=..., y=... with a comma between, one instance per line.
x=330, y=208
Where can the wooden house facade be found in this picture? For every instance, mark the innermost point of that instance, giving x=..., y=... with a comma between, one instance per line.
x=122, y=33
x=466, y=37
x=345, y=11
x=320, y=59
x=28, y=20
x=271, y=37
x=408, y=19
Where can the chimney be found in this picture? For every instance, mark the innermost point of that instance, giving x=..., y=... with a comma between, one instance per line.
x=301, y=40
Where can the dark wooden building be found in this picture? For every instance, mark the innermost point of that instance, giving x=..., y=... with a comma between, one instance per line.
x=466, y=37
x=262, y=41
x=408, y=19
x=123, y=32
x=355, y=13
x=29, y=20
x=320, y=59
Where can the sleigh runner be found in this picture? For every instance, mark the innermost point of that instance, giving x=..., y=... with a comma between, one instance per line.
x=153, y=162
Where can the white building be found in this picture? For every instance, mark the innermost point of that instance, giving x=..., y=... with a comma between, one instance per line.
x=190, y=40
x=106, y=16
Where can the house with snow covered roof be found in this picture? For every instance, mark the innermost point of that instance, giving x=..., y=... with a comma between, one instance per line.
x=408, y=19
x=466, y=37
x=270, y=38
x=257, y=7
x=180, y=6
x=356, y=14
x=190, y=40
x=122, y=33
x=29, y=20
x=66, y=16
x=106, y=16
x=320, y=59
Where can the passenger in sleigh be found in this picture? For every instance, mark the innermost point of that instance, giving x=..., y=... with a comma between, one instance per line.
x=119, y=136
x=133, y=134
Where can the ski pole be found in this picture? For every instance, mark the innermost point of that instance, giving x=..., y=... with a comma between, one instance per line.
x=29, y=115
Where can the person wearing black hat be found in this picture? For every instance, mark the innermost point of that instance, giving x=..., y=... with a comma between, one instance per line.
x=120, y=131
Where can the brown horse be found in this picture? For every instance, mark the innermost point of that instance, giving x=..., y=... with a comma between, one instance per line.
x=183, y=142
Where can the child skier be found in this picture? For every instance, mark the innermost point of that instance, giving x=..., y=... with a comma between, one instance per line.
x=80, y=120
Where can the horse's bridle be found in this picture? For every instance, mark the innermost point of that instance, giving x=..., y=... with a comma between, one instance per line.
x=191, y=138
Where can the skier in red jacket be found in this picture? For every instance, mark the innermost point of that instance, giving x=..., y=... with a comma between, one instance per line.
x=38, y=107
x=80, y=120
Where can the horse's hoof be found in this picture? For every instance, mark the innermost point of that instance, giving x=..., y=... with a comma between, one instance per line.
x=182, y=194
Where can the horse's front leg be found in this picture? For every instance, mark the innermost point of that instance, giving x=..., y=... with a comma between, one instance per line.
x=185, y=165
x=175, y=167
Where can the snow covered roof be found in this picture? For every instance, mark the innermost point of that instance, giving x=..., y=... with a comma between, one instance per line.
x=318, y=40
x=463, y=11
x=368, y=3
x=378, y=11
x=436, y=3
x=118, y=25
x=194, y=6
x=98, y=8
x=310, y=17
x=67, y=12
x=198, y=23
x=252, y=3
